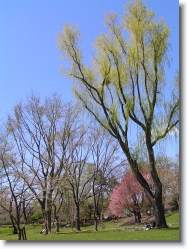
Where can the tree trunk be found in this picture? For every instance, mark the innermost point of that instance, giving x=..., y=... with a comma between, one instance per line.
x=95, y=221
x=159, y=209
x=19, y=234
x=49, y=211
x=24, y=213
x=23, y=233
x=47, y=221
x=95, y=213
x=19, y=231
x=139, y=217
x=178, y=200
x=56, y=217
x=135, y=220
x=15, y=231
x=77, y=216
x=57, y=223
x=156, y=198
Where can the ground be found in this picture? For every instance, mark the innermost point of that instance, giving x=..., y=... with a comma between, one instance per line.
x=122, y=229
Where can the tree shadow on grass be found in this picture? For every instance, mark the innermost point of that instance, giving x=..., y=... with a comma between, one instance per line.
x=77, y=232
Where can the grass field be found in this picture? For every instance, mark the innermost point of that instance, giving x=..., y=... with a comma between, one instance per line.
x=112, y=231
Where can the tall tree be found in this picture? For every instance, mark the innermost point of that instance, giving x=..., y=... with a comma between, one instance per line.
x=41, y=133
x=126, y=87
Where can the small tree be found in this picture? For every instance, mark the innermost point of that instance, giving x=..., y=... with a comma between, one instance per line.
x=107, y=161
x=16, y=191
x=77, y=174
x=127, y=195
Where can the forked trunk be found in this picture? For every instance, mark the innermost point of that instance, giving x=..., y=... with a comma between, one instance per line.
x=47, y=221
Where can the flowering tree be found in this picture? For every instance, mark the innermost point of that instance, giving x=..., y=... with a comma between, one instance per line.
x=127, y=195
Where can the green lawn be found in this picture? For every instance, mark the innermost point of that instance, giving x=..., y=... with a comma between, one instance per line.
x=112, y=231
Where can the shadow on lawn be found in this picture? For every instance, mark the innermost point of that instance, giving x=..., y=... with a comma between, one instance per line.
x=77, y=232
x=171, y=228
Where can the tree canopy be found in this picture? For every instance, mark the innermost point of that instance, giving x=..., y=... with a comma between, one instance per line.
x=125, y=87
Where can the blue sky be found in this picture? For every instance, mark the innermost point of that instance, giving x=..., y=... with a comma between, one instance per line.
x=29, y=58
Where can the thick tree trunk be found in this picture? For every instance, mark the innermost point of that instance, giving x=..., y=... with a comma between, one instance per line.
x=153, y=195
x=159, y=209
x=156, y=198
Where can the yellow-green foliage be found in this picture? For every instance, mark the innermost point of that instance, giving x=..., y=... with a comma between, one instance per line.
x=126, y=80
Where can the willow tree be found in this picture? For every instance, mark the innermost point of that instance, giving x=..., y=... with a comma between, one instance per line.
x=125, y=87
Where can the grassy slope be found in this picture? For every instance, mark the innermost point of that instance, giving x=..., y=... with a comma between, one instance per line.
x=112, y=231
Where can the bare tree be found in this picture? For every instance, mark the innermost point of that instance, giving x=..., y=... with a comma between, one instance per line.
x=16, y=191
x=78, y=175
x=107, y=161
x=42, y=132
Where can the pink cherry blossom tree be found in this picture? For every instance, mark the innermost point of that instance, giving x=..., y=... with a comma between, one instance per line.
x=128, y=195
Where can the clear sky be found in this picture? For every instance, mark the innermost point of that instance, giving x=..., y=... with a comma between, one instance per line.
x=29, y=58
